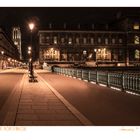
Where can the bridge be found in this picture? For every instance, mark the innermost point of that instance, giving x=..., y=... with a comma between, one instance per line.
x=69, y=97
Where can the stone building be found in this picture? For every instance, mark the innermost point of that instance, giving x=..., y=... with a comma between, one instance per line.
x=9, y=55
x=118, y=44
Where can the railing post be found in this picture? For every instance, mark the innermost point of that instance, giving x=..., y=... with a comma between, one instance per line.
x=77, y=73
x=82, y=74
x=89, y=76
x=122, y=81
x=108, y=79
x=96, y=77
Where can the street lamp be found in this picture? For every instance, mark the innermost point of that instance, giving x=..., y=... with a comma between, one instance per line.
x=2, y=52
x=31, y=27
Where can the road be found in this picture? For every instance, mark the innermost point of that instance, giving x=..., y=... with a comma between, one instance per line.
x=8, y=81
x=101, y=105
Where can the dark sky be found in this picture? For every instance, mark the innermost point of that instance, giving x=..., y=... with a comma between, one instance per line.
x=20, y=15
x=42, y=16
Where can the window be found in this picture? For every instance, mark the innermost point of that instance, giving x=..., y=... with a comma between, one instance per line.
x=99, y=40
x=85, y=40
x=77, y=40
x=92, y=40
x=70, y=41
x=55, y=40
x=113, y=40
x=136, y=26
x=137, y=54
x=42, y=39
x=63, y=40
x=106, y=40
x=84, y=52
x=136, y=40
x=47, y=39
x=120, y=40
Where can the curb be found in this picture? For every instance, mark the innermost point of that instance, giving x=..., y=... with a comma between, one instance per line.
x=78, y=114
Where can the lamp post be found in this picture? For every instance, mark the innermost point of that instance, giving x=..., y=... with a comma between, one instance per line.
x=31, y=27
x=2, y=52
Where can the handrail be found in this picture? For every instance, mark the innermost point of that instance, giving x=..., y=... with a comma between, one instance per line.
x=126, y=81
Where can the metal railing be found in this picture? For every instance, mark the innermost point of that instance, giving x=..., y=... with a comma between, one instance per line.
x=125, y=81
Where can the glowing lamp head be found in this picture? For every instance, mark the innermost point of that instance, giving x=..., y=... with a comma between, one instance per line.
x=31, y=26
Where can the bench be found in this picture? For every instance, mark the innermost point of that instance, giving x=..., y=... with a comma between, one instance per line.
x=32, y=78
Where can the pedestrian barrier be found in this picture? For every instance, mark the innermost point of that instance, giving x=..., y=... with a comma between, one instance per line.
x=125, y=81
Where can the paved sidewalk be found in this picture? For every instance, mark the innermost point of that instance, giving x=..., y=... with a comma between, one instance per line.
x=39, y=106
x=35, y=104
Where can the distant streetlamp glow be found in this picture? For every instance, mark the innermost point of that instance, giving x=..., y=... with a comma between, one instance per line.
x=29, y=48
x=2, y=52
x=29, y=51
x=9, y=59
x=95, y=50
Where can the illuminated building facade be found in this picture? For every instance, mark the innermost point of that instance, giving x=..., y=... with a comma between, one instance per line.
x=9, y=55
x=118, y=45
x=16, y=37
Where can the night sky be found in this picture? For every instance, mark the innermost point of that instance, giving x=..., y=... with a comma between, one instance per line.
x=42, y=16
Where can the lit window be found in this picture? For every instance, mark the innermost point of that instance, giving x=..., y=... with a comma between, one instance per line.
x=92, y=40
x=136, y=26
x=106, y=40
x=62, y=40
x=137, y=54
x=84, y=52
x=136, y=40
x=99, y=40
x=77, y=40
x=55, y=40
x=85, y=40
x=120, y=40
x=42, y=39
x=113, y=40
x=47, y=37
x=70, y=41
